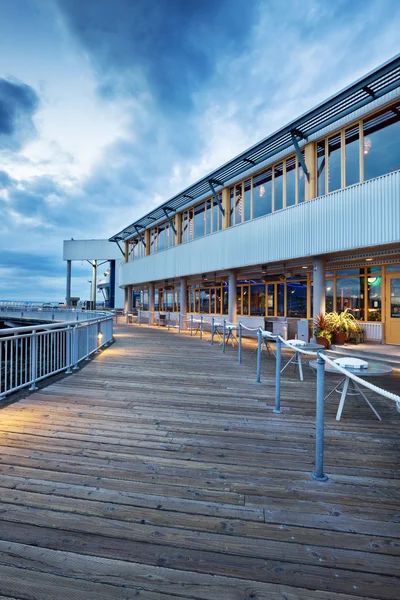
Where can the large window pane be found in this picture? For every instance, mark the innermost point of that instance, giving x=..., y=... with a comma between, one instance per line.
x=278, y=186
x=247, y=200
x=239, y=300
x=153, y=240
x=374, y=298
x=350, y=294
x=208, y=216
x=329, y=295
x=238, y=204
x=262, y=194
x=257, y=299
x=271, y=299
x=232, y=206
x=335, y=163
x=281, y=299
x=161, y=238
x=321, y=168
x=205, y=301
x=216, y=216
x=352, y=155
x=185, y=227
x=301, y=184
x=199, y=221
x=291, y=181
x=246, y=300
x=296, y=298
x=382, y=143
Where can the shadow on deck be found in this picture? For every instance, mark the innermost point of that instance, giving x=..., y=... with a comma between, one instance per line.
x=159, y=471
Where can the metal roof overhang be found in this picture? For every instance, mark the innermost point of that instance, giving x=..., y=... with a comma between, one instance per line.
x=375, y=84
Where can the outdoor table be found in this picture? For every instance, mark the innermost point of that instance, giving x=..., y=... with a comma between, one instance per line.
x=216, y=330
x=350, y=387
x=296, y=358
x=230, y=331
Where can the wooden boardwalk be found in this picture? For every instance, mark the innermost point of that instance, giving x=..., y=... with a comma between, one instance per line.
x=159, y=471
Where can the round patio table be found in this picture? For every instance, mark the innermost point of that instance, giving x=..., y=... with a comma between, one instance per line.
x=350, y=387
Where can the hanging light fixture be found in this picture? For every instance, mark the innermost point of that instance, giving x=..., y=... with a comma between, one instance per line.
x=367, y=145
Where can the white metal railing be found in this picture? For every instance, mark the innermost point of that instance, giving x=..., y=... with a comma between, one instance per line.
x=43, y=313
x=30, y=354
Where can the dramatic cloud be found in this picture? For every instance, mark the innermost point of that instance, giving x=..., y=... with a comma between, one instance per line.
x=18, y=104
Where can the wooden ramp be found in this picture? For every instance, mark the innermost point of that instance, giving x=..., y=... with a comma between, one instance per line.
x=159, y=471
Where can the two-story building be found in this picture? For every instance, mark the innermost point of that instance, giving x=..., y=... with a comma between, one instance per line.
x=307, y=219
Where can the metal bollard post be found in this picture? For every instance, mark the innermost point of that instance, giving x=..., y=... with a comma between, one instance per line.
x=277, y=409
x=75, y=348
x=259, y=351
x=223, y=336
x=212, y=330
x=87, y=342
x=68, y=347
x=179, y=322
x=240, y=343
x=319, y=474
x=169, y=321
x=191, y=325
x=33, y=366
x=139, y=317
x=201, y=327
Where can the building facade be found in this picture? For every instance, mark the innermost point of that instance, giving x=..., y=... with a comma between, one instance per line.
x=307, y=220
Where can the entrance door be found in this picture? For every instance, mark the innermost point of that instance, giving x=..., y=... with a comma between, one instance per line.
x=393, y=309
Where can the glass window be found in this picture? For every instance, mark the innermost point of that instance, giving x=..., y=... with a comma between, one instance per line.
x=232, y=206
x=374, y=300
x=205, y=301
x=392, y=268
x=352, y=155
x=329, y=295
x=395, y=298
x=161, y=238
x=247, y=200
x=350, y=294
x=350, y=272
x=271, y=299
x=238, y=204
x=301, y=184
x=281, y=299
x=262, y=194
x=296, y=300
x=334, y=163
x=246, y=300
x=257, y=299
x=191, y=223
x=156, y=300
x=218, y=304
x=278, y=186
x=321, y=168
x=382, y=143
x=239, y=300
x=291, y=181
x=216, y=215
x=225, y=298
x=199, y=221
x=153, y=240
x=208, y=217
x=185, y=227
x=144, y=297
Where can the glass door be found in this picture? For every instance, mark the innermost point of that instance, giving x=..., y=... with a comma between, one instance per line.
x=393, y=309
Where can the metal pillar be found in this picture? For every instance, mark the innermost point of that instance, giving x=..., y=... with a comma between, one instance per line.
x=232, y=297
x=129, y=288
x=111, y=297
x=126, y=300
x=151, y=303
x=94, y=284
x=319, y=474
x=183, y=301
x=319, y=286
x=68, y=295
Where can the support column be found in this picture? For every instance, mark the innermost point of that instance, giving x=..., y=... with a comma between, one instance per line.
x=151, y=303
x=226, y=205
x=183, y=300
x=232, y=297
x=311, y=162
x=129, y=288
x=111, y=296
x=68, y=296
x=94, y=284
x=126, y=299
x=319, y=286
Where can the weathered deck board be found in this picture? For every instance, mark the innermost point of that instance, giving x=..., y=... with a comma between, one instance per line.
x=159, y=471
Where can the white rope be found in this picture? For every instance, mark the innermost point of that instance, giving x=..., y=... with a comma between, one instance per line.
x=248, y=328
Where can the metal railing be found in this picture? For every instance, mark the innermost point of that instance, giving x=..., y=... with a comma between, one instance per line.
x=30, y=354
x=234, y=331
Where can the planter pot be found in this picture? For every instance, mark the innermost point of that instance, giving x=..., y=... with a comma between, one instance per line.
x=339, y=338
x=323, y=341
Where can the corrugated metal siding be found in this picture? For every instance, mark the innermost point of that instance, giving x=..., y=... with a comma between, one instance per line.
x=366, y=214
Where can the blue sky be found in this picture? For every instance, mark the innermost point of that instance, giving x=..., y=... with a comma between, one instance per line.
x=108, y=107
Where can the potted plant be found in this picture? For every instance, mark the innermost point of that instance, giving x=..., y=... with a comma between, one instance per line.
x=322, y=332
x=343, y=325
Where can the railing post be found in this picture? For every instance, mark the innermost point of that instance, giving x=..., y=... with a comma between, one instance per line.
x=223, y=336
x=191, y=325
x=240, y=343
x=87, y=342
x=212, y=330
x=319, y=474
x=278, y=364
x=259, y=351
x=33, y=366
x=169, y=321
x=75, y=348
x=179, y=322
x=139, y=317
x=201, y=327
x=68, y=349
